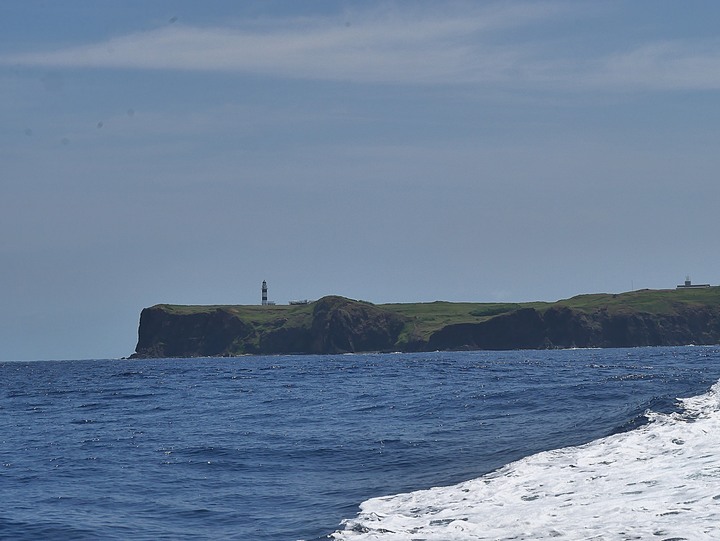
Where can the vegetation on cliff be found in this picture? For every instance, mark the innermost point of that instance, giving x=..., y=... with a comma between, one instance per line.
x=339, y=325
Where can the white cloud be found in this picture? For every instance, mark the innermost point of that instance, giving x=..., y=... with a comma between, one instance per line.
x=459, y=43
x=387, y=46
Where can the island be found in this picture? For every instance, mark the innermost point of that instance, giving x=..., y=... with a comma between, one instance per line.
x=336, y=324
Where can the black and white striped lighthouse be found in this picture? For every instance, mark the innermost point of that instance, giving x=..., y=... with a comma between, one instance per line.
x=264, y=293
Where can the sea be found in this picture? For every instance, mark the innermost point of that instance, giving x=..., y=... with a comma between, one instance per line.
x=594, y=444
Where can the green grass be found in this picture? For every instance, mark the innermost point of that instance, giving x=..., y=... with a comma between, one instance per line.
x=426, y=318
x=651, y=301
x=259, y=315
x=423, y=319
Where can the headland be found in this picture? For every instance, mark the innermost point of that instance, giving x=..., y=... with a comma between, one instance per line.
x=336, y=324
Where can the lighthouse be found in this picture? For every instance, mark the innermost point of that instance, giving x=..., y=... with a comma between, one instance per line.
x=264, y=293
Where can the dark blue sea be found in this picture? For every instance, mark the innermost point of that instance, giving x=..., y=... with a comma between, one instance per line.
x=284, y=448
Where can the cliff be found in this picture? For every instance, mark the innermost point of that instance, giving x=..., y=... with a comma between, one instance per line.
x=331, y=325
x=563, y=327
x=339, y=325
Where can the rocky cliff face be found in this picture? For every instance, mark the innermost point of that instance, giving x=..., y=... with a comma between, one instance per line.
x=339, y=325
x=335, y=325
x=562, y=327
x=166, y=334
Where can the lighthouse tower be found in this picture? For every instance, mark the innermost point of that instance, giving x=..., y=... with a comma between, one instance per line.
x=264, y=293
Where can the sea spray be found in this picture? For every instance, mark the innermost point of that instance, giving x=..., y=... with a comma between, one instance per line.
x=659, y=481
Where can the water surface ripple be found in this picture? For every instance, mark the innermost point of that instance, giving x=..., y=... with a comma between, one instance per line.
x=285, y=448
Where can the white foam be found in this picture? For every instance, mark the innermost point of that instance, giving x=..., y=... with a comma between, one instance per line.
x=660, y=481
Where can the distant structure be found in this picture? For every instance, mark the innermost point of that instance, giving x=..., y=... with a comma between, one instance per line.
x=295, y=303
x=689, y=285
x=264, y=293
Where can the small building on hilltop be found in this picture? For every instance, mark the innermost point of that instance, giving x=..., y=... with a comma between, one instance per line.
x=689, y=285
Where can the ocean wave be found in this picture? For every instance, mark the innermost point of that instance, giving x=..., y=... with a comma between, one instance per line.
x=658, y=481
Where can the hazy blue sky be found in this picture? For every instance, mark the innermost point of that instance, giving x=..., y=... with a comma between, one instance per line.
x=178, y=151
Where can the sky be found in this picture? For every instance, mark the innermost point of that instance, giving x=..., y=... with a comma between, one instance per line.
x=174, y=151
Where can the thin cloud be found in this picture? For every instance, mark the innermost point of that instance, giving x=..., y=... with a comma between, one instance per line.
x=463, y=44
x=670, y=65
x=381, y=46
